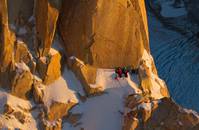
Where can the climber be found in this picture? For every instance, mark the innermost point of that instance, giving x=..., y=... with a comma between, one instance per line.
x=115, y=76
x=118, y=71
x=125, y=72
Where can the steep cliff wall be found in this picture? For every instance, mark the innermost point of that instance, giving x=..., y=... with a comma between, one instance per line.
x=6, y=45
x=105, y=33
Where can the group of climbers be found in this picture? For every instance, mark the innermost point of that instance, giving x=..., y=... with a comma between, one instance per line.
x=121, y=72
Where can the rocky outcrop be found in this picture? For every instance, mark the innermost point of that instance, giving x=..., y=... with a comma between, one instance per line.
x=56, y=125
x=87, y=75
x=144, y=113
x=57, y=110
x=150, y=83
x=105, y=33
x=38, y=90
x=7, y=39
x=15, y=113
x=22, y=54
x=57, y=100
x=22, y=81
x=49, y=67
x=46, y=14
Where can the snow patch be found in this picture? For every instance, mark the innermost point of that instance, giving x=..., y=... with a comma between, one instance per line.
x=103, y=112
x=59, y=91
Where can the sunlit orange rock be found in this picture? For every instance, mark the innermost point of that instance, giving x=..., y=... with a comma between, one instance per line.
x=105, y=33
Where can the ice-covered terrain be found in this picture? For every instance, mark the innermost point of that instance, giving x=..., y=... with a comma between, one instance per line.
x=177, y=60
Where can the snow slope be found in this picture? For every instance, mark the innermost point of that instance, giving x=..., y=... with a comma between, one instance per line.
x=103, y=112
x=176, y=57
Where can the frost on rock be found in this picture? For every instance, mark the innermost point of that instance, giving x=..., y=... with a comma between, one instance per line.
x=22, y=81
x=104, y=110
x=58, y=99
x=15, y=113
x=149, y=80
x=49, y=67
x=87, y=75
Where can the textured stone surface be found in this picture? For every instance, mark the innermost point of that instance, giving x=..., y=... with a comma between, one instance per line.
x=105, y=33
x=49, y=67
x=150, y=83
x=162, y=114
x=22, y=54
x=6, y=38
x=47, y=12
x=57, y=110
x=47, y=125
x=87, y=76
x=38, y=90
x=22, y=81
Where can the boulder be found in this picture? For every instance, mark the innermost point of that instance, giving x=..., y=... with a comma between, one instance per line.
x=46, y=14
x=150, y=83
x=49, y=67
x=38, y=90
x=15, y=113
x=58, y=100
x=87, y=75
x=105, y=34
x=57, y=110
x=55, y=125
x=22, y=54
x=22, y=81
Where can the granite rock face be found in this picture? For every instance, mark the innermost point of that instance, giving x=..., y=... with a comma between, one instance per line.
x=22, y=54
x=144, y=113
x=7, y=39
x=46, y=14
x=105, y=33
x=49, y=67
x=87, y=75
x=22, y=81
x=98, y=35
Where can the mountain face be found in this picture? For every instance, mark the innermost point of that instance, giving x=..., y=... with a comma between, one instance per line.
x=57, y=61
x=104, y=33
